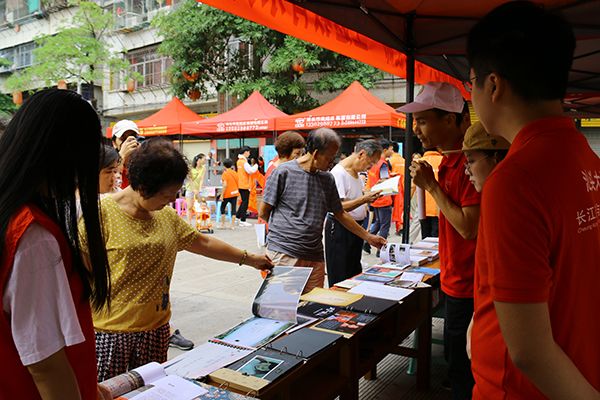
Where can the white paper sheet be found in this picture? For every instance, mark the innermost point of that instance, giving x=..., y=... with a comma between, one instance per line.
x=172, y=388
x=205, y=359
x=381, y=291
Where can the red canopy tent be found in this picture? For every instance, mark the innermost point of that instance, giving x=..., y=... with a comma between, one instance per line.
x=255, y=116
x=355, y=107
x=169, y=120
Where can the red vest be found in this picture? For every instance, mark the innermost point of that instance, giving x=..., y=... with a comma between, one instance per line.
x=15, y=380
x=373, y=178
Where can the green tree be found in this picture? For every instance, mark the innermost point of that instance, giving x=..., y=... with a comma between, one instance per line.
x=200, y=39
x=77, y=53
x=7, y=107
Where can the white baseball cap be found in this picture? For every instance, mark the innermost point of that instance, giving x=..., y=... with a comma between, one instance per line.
x=123, y=126
x=441, y=95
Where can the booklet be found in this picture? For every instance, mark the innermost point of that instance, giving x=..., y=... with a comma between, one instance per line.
x=150, y=382
x=387, y=187
x=304, y=343
x=344, y=322
x=373, y=278
x=330, y=297
x=383, y=272
x=427, y=245
x=347, y=284
x=395, y=253
x=206, y=358
x=381, y=291
x=274, y=308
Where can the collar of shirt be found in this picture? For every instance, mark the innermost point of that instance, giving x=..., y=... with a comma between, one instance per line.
x=452, y=159
x=549, y=124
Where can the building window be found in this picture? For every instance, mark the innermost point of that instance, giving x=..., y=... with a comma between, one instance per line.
x=150, y=65
x=19, y=56
x=14, y=10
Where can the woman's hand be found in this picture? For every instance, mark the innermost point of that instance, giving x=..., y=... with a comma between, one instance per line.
x=259, y=261
x=104, y=393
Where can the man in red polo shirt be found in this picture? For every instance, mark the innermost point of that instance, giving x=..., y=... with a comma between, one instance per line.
x=535, y=331
x=441, y=119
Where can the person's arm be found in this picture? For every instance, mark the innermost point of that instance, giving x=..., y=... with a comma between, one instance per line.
x=250, y=169
x=212, y=247
x=368, y=197
x=349, y=223
x=264, y=210
x=469, y=332
x=527, y=332
x=54, y=378
x=463, y=219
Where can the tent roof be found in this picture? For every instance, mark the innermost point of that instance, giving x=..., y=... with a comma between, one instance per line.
x=355, y=107
x=381, y=32
x=168, y=120
x=255, y=114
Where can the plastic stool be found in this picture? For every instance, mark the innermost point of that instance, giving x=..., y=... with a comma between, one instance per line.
x=181, y=206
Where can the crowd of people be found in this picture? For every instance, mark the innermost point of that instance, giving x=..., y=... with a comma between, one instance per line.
x=519, y=258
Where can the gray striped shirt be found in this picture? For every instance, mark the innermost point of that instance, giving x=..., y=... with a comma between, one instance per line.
x=300, y=202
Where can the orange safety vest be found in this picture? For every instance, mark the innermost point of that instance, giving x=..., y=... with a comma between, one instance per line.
x=434, y=158
x=243, y=176
x=15, y=380
x=373, y=178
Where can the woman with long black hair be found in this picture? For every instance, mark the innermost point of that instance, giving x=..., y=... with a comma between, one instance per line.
x=50, y=150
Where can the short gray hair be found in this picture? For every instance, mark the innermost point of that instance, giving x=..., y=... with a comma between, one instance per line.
x=320, y=139
x=370, y=146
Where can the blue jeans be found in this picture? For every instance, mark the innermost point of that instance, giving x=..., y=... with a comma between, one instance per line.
x=382, y=217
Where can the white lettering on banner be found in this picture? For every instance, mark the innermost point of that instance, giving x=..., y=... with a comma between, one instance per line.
x=331, y=121
x=592, y=180
x=236, y=126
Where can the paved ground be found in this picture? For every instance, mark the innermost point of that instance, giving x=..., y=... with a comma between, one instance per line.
x=210, y=296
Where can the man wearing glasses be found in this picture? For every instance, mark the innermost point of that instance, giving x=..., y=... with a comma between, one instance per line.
x=441, y=119
x=535, y=330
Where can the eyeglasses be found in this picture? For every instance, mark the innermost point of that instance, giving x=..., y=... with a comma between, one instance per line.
x=469, y=84
x=468, y=164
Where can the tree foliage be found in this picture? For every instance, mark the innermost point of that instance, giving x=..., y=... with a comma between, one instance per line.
x=78, y=52
x=203, y=42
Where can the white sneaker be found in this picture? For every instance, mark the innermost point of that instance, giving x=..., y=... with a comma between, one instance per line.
x=244, y=223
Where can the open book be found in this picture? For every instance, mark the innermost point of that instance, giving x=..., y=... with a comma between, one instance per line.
x=151, y=382
x=274, y=308
x=387, y=187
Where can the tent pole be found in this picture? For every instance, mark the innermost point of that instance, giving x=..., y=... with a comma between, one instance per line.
x=390, y=133
x=408, y=131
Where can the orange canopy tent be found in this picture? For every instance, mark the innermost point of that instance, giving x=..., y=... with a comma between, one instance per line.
x=168, y=121
x=255, y=116
x=355, y=107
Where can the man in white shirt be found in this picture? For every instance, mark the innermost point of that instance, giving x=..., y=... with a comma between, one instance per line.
x=343, y=248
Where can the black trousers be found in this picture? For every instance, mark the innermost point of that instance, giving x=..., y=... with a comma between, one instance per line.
x=429, y=227
x=457, y=318
x=342, y=252
x=241, y=213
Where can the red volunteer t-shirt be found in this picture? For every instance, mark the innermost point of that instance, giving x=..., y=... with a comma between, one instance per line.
x=539, y=241
x=457, y=255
